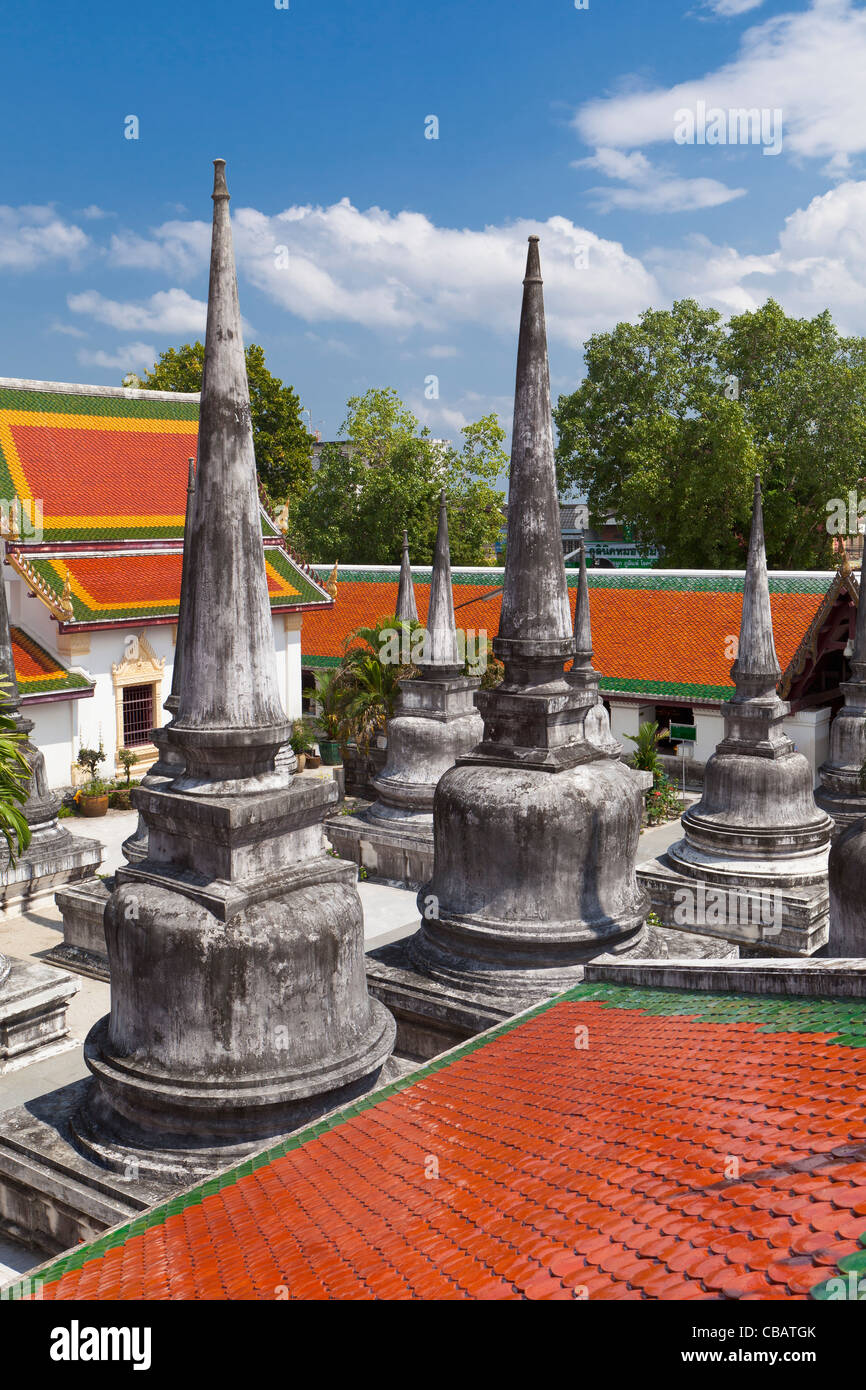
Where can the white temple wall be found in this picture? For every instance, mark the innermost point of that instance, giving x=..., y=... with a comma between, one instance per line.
x=809, y=729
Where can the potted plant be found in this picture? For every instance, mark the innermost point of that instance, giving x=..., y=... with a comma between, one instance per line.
x=331, y=697
x=93, y=797
x=301, y=743
x=119, y=798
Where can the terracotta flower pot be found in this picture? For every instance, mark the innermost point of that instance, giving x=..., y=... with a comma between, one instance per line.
x=93, y=805
x=313, y=760
x=302, y=761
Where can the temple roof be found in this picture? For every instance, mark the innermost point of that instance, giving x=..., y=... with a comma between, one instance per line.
x=110, y=586
x=660, y=632
x=39, y=674
x=109, y=467
x=704, y=1146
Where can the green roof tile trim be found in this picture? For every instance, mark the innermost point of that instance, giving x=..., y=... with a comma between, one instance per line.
x=307, y=591
x=77, y=403
x=769, y=1013
x=684, y=690
x=597, y=579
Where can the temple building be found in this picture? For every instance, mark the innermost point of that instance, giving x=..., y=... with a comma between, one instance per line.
x=93, y=483
x=664, y=642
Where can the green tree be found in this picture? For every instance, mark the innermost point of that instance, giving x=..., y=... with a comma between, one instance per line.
x=14, y=779
x=678, y=411
x=283, y=446
x=385, y=474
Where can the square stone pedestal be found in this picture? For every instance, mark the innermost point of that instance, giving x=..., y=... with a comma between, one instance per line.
x=48, y=862
x=401, y=856
x=33, y=1004
x=799, y=915
x=83, y=948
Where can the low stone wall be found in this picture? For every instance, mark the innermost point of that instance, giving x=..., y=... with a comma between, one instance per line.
x=361, y=769
x=673, y=766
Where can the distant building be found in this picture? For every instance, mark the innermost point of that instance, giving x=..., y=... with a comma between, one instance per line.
x=607, y=547
x=664, y=640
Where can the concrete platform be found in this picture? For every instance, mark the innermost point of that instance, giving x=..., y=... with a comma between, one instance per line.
x=33, y=1007
x=431, y=1017
x=82, y=906
x=795, y=918
x=399, y=856
x=841, y=978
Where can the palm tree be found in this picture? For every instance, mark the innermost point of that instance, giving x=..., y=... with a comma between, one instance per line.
x=646, y=754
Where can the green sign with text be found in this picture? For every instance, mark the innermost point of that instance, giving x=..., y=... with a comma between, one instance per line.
x=684, y=733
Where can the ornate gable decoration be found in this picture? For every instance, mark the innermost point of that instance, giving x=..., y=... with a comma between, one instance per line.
x=140, y=664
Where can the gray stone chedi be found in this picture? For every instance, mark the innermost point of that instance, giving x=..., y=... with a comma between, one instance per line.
x=841, y=793
x=34, y=997
x=82, y=905
x=536, y=828
x=434, y=723
x=239, y=1006
x=752, y=863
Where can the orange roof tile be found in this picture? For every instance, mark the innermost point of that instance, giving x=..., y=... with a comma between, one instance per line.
x=704, y=1146
x=660, y=631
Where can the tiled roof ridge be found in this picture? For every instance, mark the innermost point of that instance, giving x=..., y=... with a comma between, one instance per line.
x=70, y=388
x=815, y=581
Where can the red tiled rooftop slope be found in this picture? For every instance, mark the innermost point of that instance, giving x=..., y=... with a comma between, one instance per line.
x=617, y=1144
x=676, y=635
x=102, y=465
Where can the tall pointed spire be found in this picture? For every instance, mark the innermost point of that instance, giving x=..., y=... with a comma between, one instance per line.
x=230, y=722
x=582, y=629
x=756, y=670
x=857, y=660
x=10, y=699
x=441, y=655
x=173, y=701
x=535, y=634
x=407, y=609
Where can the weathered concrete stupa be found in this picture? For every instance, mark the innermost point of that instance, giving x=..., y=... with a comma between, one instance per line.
x=34, y=997
x=752, y=864
x=239, y=1007
x=536, y=828
x=841, y=793
x=83, y=905
x=435, y=722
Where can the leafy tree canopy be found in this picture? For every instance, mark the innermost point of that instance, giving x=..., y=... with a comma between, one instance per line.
x=677, y=412
x=283, y=446
x=385, y=473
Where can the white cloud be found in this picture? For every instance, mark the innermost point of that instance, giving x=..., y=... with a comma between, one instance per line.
x=819, y=262
x=809, y=64
x=31, y=237
x=94, y=213
x=652, y=189
x=729, y=8
x=168, y=311
x=125, y=358
x=177, y=247
x=67, y=329
x=400, y=272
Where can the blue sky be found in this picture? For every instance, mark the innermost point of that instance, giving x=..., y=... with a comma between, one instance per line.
x=369, y=255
